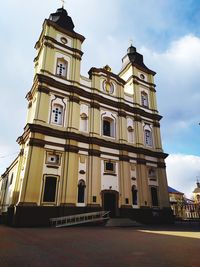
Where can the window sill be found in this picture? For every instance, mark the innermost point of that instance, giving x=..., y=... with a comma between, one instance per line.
x=57, y=124
x=148, y=146
x=153, y=179
x=109, y=137
x=80, y=204
x=110, y=173
x=61, y=77
x=52, y=166
x=145, y=106
x=48, y=204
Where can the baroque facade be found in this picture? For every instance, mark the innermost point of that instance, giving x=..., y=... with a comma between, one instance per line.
x=90, y=143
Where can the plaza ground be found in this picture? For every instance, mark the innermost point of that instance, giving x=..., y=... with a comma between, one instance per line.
x=176, y=245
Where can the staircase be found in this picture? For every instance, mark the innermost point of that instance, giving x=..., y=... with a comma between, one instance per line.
x=99, y=216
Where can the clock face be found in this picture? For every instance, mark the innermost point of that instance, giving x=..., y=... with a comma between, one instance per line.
x=108, y=87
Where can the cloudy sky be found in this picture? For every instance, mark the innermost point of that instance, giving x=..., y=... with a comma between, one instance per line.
x=167, y=33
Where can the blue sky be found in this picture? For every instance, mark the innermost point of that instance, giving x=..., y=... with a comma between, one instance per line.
x=166, y=32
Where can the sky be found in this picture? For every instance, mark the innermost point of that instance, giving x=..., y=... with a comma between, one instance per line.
x=166, y=32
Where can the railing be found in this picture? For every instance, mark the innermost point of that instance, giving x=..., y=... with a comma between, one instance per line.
x=79, y=219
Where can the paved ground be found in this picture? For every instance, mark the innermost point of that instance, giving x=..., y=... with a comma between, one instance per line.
x=100, y=247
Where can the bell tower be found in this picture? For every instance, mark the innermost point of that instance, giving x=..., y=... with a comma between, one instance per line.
x=58, y=59
x=59, y=48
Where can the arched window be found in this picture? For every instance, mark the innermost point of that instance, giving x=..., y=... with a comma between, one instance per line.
x=144, y=99
x=81, y=191
x=50, y=189
x=61, y=68
x=108, y=127
x=57, y=114
x=154, y=196
x=148, y=137
x=130, y=134
x=134, y=195
x=83, y=122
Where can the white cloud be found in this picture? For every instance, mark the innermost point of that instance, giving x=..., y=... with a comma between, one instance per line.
x=178, y=91
x=178, y=76
x=182, y=172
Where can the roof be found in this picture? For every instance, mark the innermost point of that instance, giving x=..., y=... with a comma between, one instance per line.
x=61, y=18
x=136, y=59
x=196, y=190
x=174, y=191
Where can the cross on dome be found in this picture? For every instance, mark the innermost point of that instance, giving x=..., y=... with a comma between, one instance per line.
x=131, y=42
x=63, y=3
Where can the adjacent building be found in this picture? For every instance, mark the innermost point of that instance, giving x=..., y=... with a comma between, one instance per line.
x=196, y=194
x=89, y=143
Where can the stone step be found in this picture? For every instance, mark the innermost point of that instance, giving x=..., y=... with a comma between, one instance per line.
x=122, y=222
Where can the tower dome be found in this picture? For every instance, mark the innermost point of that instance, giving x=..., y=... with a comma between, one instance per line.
x=61, y=18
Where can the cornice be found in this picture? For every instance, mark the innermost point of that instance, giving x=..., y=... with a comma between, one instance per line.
x=92, y=152
x=48, y=38
x=96, y=97
x=35, y=128
x=137, y=80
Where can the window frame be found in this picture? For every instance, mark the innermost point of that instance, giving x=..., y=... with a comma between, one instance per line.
x=134, y=191
x=144, y=99
x=106, y=171
x=112, y=127
x=54, y=106
x=81, y=183
x=63, y=61
x=50, y=203
x=150, y=137
x=157, y=196
x=53, y=153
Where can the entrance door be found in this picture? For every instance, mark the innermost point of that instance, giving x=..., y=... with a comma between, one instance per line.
x=110, y=203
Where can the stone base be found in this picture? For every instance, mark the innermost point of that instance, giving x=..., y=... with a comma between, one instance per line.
x=148, y=215
x=38, y=216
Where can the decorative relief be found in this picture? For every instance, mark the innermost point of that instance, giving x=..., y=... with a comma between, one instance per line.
x=108, y=86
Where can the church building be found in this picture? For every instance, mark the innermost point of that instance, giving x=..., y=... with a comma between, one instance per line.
x=89, y=143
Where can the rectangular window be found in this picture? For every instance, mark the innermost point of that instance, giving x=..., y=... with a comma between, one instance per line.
x=106, y=128
x=61, y=69
x=11, y=179
x=154, y=196
x=57, y=114
x=50, y=189
x=109, y=166
x=148, y=138
x=144, y=99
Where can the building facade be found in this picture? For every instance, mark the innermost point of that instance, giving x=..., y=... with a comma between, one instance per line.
x=196, y=193
x=90, y=143
x=182, y=207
